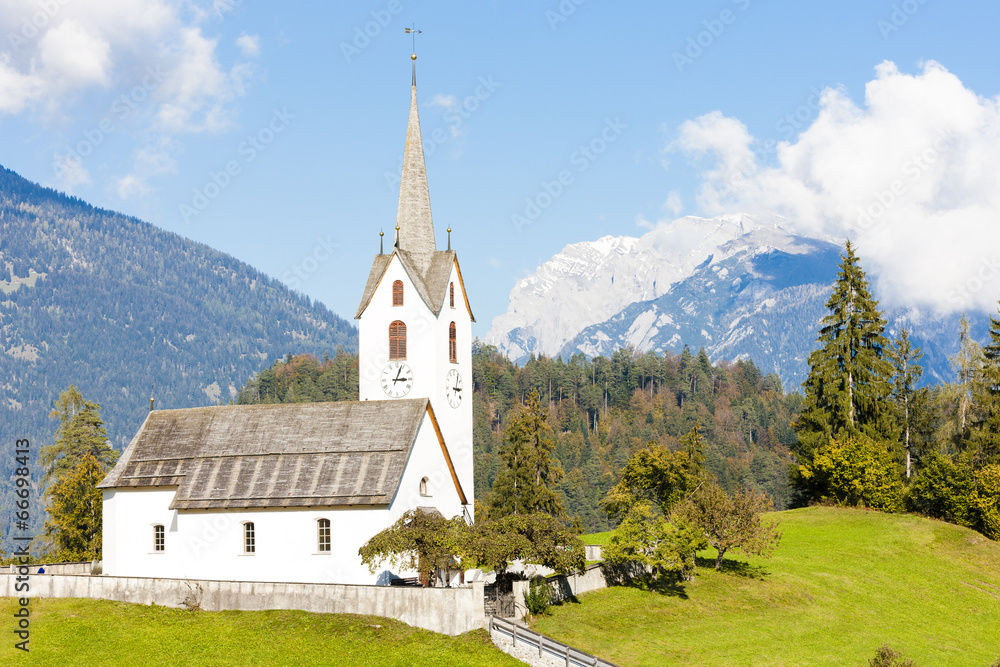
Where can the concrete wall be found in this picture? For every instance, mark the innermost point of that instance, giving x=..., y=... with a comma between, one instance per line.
x=563, y=587
x=208, y=544
x=52, y=568
x=592, y=551
x=450, y=611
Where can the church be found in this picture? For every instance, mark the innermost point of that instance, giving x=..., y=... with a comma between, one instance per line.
x=289, y=493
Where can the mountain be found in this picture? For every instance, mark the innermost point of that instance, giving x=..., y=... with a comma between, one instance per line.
x=117, y=307
x=739, y=286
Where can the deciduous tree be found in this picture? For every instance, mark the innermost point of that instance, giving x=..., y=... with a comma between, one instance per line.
x=731, y=521
x=662, y=548
x=75, y=519
x=420, y=540
x=856, y=471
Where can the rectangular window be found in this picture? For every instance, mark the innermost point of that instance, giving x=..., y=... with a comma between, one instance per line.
x=324, y=535
x=249, y=544
x=158, y=538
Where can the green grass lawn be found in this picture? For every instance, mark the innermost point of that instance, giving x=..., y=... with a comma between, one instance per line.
x=600, y=539
x=67, y=632
x=841, y=583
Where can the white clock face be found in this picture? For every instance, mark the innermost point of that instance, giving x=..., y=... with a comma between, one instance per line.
x=397, y=379
x=453, y=388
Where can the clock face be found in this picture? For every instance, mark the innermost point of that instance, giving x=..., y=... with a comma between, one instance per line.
x=397, y=379
x=453, y=388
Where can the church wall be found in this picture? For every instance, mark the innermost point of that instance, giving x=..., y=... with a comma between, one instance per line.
x=209, y=544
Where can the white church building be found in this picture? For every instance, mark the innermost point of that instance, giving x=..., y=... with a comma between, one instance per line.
x=291, y=492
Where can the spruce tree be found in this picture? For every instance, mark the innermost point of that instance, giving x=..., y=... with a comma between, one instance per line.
x=526, y=484
x=849, y=387
x=80, y=432
x=984, y=428
x=910, y=401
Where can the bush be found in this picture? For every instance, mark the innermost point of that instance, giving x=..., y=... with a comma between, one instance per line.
x=886, y=656
x=539, y=596
x=855, y=471
x=941, y=490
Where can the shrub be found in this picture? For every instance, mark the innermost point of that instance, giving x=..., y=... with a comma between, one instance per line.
x=539, y=596
x=886, y=656
x=855, y=471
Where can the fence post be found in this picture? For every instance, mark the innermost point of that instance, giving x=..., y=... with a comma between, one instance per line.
x=515, y=635
x=539, y=645
x=567, y=656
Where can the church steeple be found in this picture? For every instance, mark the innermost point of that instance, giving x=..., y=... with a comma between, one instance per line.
x=413, y=217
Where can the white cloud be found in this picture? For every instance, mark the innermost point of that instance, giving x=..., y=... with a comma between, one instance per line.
x=913, y=177
x=446, y=102
x=73, y=57
x=17, y=90
x=70, y=171
x=249, y=44
x=149, y=162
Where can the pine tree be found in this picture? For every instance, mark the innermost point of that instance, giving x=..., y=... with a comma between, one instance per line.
x=526, y=483
x=984, y=429
x=849, y=388
x=80, y=432
x=909, y=400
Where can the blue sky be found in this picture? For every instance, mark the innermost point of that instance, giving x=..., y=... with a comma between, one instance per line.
x=275, y=132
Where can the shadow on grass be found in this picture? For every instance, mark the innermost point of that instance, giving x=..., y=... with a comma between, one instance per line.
x=735, y=568
x=633, y=575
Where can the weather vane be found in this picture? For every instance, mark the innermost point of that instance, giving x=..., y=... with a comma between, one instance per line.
x=412, y=30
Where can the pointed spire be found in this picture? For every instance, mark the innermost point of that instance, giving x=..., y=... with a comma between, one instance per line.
x=413, y=217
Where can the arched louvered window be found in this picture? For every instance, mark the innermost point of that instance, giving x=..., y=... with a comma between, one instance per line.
x=397, y=340
x=452, y=344
x=451, y=294
x=397, y=293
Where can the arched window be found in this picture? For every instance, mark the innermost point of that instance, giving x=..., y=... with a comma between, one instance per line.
x=452, y=344
x=249, y=538
x=397, y=293
x=397, y=340
x=424, y=491
x=158, y=538
x=323, y=526
x=451, y=294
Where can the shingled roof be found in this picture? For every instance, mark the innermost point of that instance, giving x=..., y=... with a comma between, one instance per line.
x=432, y=286
x=297, y=455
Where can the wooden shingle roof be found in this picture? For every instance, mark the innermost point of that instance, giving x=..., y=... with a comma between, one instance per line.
x=432, y=286
x=294, y=455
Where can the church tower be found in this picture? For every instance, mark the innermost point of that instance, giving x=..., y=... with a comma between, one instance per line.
x=414, y=321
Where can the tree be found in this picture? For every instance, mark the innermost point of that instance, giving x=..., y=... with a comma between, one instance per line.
x=732, y=521
x=75, y=520
x=967, y=363
x=526, y=484
x=909, y=400
x=984, y=431
x=856, y=471
x=848, y=388
x=80, y=432
x=663, y=548
x=886, y=656
x=419, y=540
x=658, y=476
x=494, y=543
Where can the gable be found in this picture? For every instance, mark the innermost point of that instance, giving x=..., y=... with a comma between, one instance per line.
x=432, y=286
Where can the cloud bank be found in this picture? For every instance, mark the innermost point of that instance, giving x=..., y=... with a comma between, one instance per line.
x=912, y=177
x=145, y=63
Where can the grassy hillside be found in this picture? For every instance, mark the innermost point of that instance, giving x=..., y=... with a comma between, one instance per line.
x=841, y=583
x=95, y=632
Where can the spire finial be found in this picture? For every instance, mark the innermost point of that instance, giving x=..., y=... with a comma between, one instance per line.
x=449, y=239
x=381, y=234
x=151, y=397
x=412, y=30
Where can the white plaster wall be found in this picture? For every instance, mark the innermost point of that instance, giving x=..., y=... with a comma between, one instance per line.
x=427, y=355
x=373, y=337
x=208, y=544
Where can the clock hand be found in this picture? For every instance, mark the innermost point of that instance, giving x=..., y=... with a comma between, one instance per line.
x=399, y=372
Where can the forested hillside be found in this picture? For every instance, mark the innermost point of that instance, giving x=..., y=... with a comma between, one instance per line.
x=117, y=307
x=602, y=410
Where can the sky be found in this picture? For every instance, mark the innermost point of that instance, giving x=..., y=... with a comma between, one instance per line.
x=274, y=131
